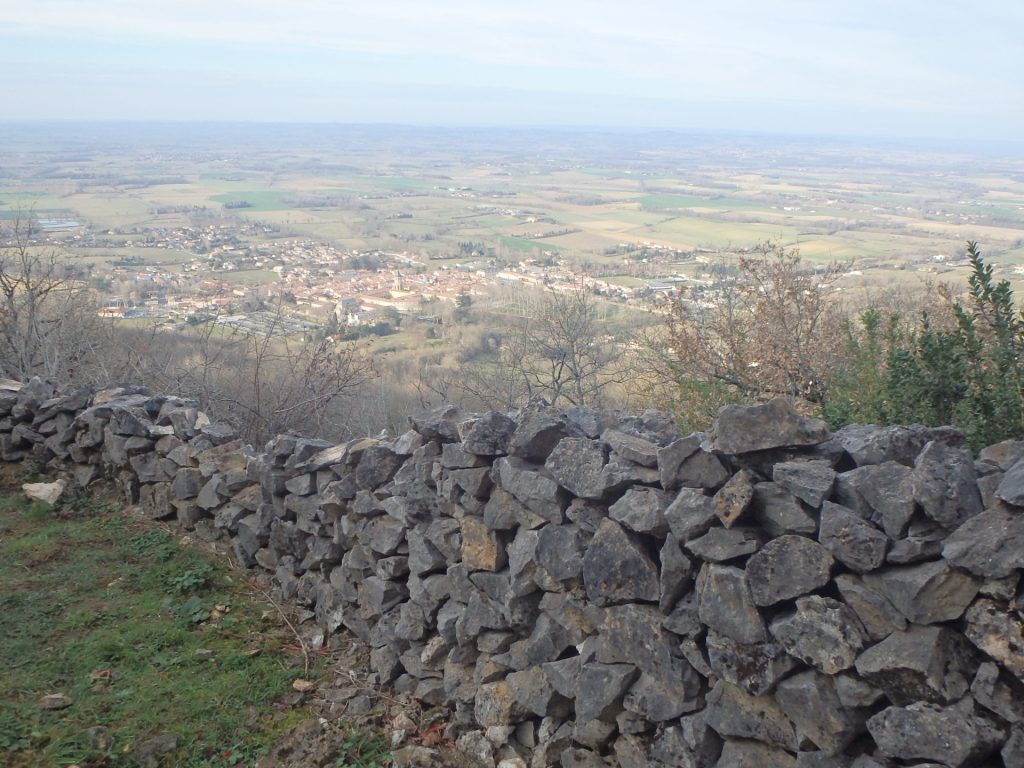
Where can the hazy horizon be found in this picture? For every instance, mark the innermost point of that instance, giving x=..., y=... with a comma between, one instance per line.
x=875, y=71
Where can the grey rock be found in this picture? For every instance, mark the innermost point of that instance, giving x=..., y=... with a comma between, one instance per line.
x=672, y=456
x=212, y=494
x=915, y=549
x=600, y=689
x=998, y=633
x=733, y=498
x=779, y=512
x=149, y=753
x=865, y=761
x=877, y=615
x=631, y=723
x=734, y=713
x=955, y=736
x=494, y=704
x=1011, y=487
x=919, y=664
x=538, y=431
x=743, y=753
x=887, y=490
x=775, y=424
x=987, y=487
x=562, y=675
x=999, y=694
x=945, y=485
x=695, y=655
x=407, y=443
x=852, y=541
x=632, y=448
x=630, y=751
x=989, y=544
x=810, y=700
x=581, y=758
x=691, y=744
x=302, y=485
x=560, y=550
x=819, y=760
x=721, y=544
x=1003, y=455
x=489, y=434
x=925, y=593
x=595, y=734
x=875, y=445
x=809, y=481
x=525, y=570
x=1001, y=589
x=754, y=668
x=1013, y=751
x=536, y=490
x=788, y=567
x=503, y=511
x=661, y=697
x=383, y=534
x=642, y=510
x=691, y=514
x=823, y=633
x=684, y=619
x=153, y=468
x=582, y=467
x=855, y=693
x=846, y=492
x=377, y=465
x=440, y=424
x=424, y=556
x=725, y=604
x=633, y=634
x=676, y=573
x=617, y=568
x=475, y=482
x=702, y=470
x=532, y=690
x=684, y=463
x=455, y=456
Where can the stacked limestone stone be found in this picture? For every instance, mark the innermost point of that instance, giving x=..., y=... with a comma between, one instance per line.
x=585, y=589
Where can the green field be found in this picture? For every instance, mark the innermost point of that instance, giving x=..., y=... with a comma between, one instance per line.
x=833, y=202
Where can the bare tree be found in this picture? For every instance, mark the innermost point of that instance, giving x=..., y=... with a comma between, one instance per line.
x=557, y=348
x=47, y=313
x=263, y=382
x=774, y=328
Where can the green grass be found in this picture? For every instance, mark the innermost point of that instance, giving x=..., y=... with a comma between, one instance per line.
x=123, y=619
x=524, y=244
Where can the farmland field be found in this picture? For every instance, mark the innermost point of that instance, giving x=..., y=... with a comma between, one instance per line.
x=518, y=195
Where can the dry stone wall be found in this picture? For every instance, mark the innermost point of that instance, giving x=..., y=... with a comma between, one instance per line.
x=589, y=589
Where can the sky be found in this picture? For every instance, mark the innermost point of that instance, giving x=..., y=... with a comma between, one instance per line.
x=943, y=69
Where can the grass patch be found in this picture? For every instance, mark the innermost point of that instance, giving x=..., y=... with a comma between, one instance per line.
x=524, y=244
x=146, y=637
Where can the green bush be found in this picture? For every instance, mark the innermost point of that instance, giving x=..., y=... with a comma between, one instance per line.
x=970, y=374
